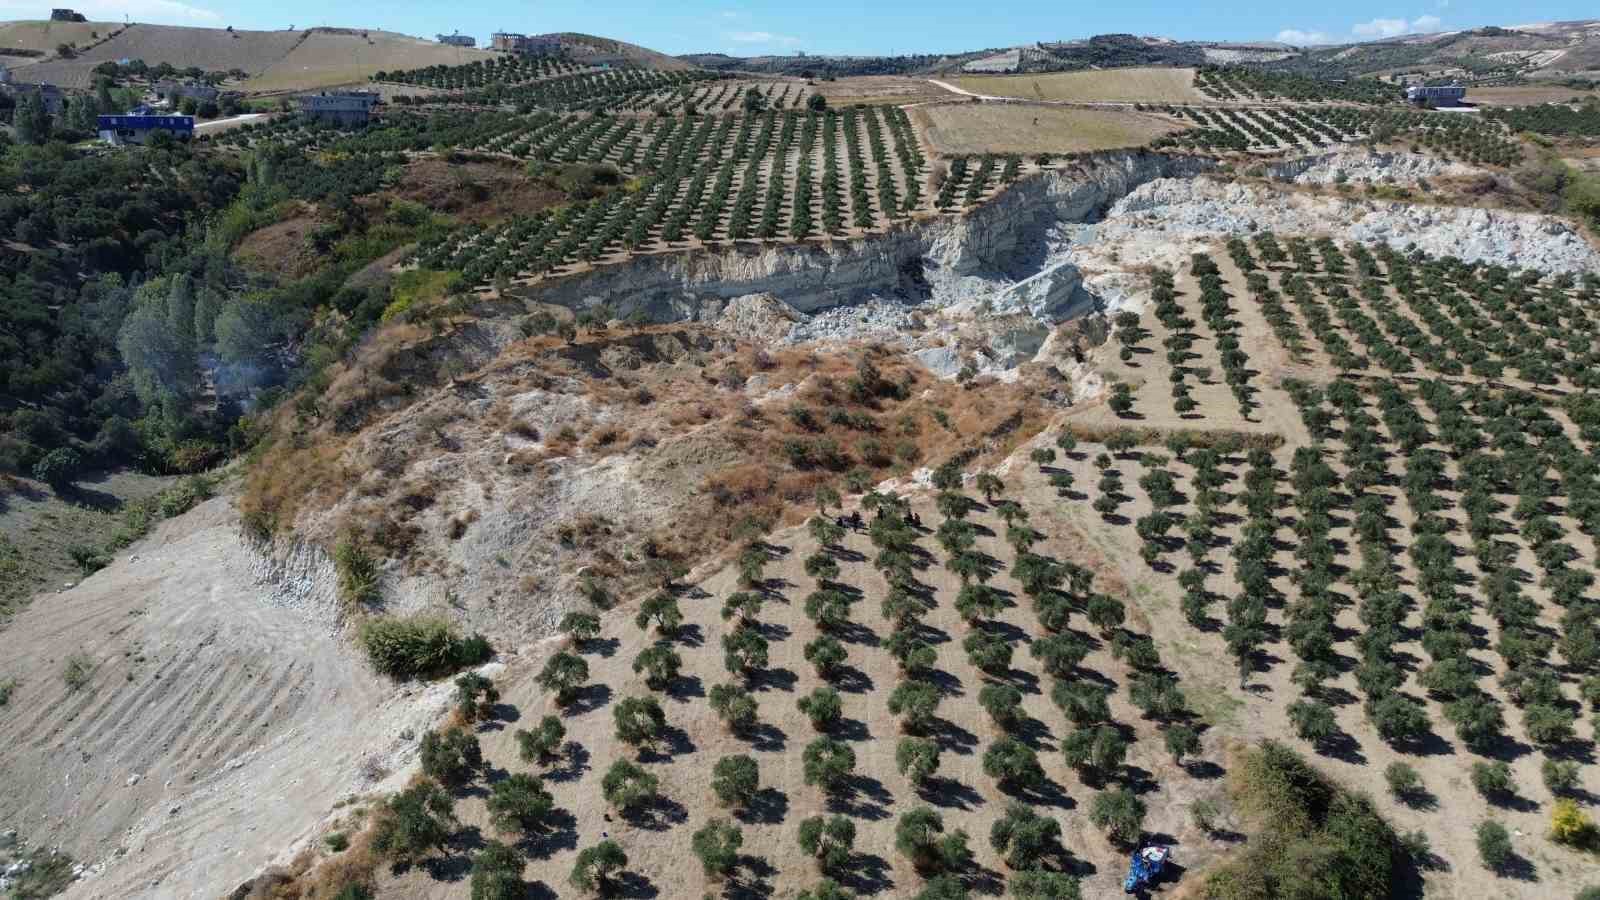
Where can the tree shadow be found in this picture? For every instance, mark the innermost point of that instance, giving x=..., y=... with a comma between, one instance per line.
x=769, y=806
x=560, y=833
x=952, y=737
x=850, y=680
x=659, y=814
x=765, y=737
x=949, y=793
x=773, y=680
x=605, y=648
x=576, y=762
x=685, y=688
x=633, y=886
x=589, y=698
x=850, y=730
x=674, y=742
x=868, y=874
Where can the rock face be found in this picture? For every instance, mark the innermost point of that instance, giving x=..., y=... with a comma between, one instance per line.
x=940, y=263
x=1058, y=245
x=1172, y=211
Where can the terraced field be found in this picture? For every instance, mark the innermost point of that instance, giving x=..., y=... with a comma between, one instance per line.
x=1132, y=85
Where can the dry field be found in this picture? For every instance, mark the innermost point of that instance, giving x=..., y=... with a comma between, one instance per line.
x=277, y=60
x=46, y=36
x=959, y=129
x=887, y=89
x=1134, y=85
x=1525, y=95
x=326, y=59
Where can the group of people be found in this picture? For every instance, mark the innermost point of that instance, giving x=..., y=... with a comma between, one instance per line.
x=854, y=522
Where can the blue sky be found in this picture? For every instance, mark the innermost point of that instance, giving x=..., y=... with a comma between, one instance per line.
x=845, y=26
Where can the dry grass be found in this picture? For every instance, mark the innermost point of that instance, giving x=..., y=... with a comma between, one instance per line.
x=1113, y=85
x=886, y=89
x=45, y=35
x=1526, y=95
x=971, y=128
x=325, y=59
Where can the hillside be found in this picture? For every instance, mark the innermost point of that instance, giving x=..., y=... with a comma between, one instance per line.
x=276, y=60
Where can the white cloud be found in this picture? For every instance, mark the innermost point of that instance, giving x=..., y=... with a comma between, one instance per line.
x=1303, y=38
x=761, y=37
x=158, y=12
x=1391, y=28
x=1381, y=28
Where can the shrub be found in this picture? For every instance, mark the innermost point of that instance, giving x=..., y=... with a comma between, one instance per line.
x=945, y=887
x=744, y=651
x=450, y=757
x=919, y=836
x=717, y=847
x=597, y=865
x=1205, y=814
x=917, y=758
x=77, y=671
x=639, y=721
x=822, y=706
x=497, y=873
x=563, y=674
x=518, y=803
x=659, y=664
x=735, y=780
x=419, y=647
x=580, y=626
x=469, y=688
x=917, y=703
x=1560, y=776
x=827, y=655
x=735, y=706
x=1096, y=752
x=828, y=764
x=1569, y=825
x=357, y=570
x=663, y=610
x=1494, y=846
x=626, y=786
x=543, y=743
x=1313, y=720
x=1038, y=884
x=1181, y=741
x=988, y=651
x=413, y=822
x=1022, y=836
x=1013, y=764
x=1404, y=782
x=1003, y=703
x=828, y=840
x=1493, y=780
x=1120, y=813
x=827, y=888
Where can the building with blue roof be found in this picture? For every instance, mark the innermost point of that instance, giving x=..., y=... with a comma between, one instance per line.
x=139, y=124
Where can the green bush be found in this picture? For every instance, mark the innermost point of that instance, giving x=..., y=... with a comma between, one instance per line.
x=1315, y=839
x=414, y=822
x=735, y=780
x=419, y=647
x=1494, y=846
x=450, y=757
x=497, y=873
x=518, y=803
x=717, y=847
x=543, y=743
